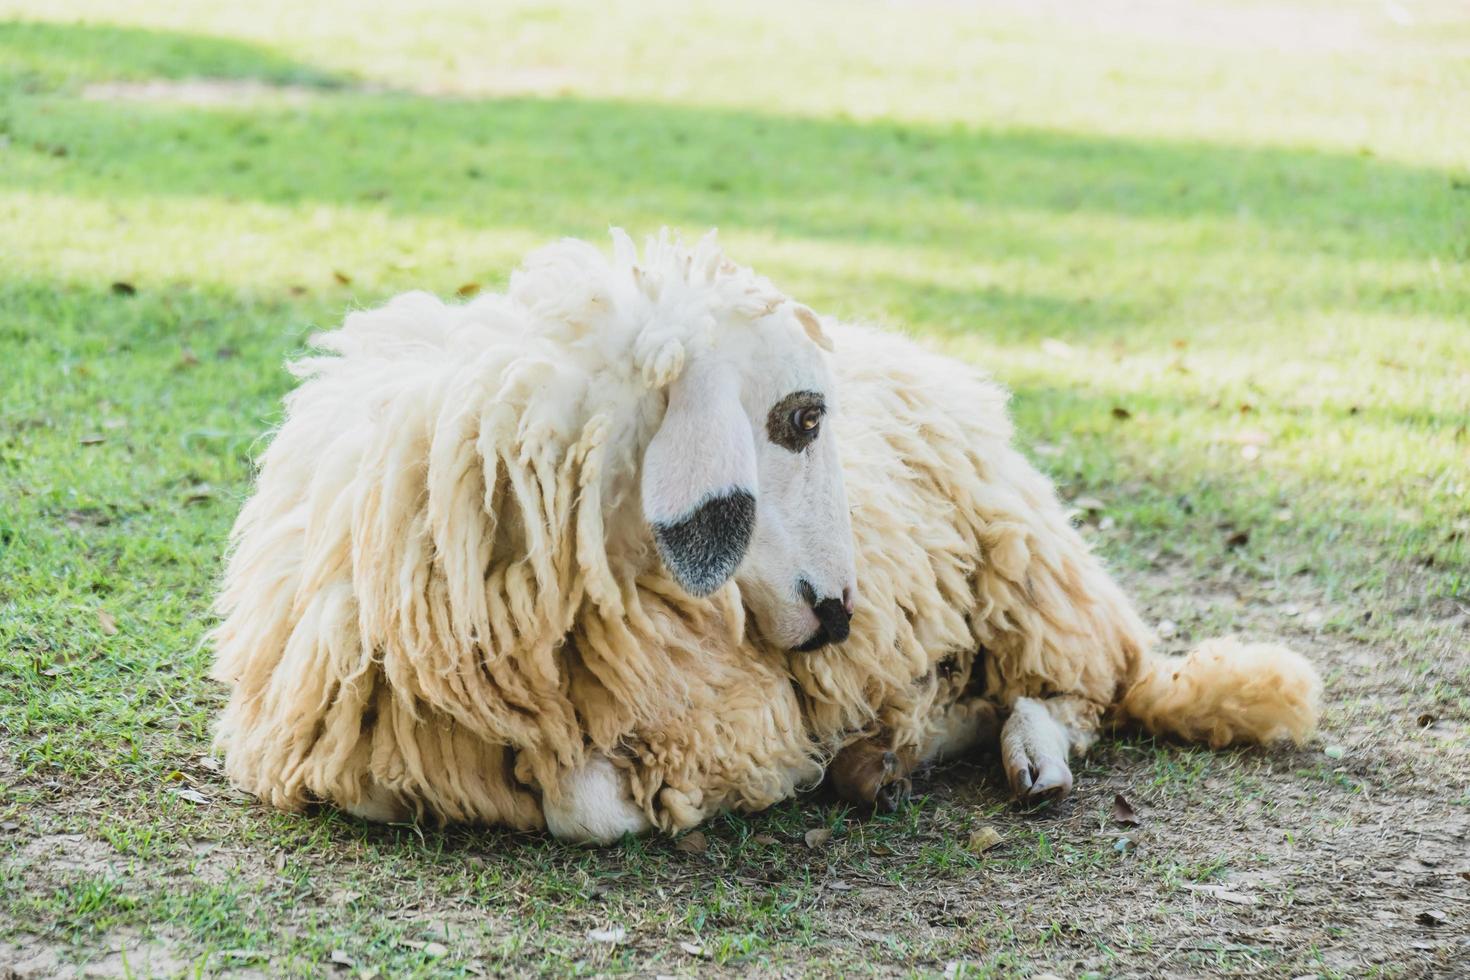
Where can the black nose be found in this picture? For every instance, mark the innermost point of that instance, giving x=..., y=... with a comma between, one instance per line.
x=833, y=617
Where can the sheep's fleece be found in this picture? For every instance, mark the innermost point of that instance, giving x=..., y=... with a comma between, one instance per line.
x=442, y=601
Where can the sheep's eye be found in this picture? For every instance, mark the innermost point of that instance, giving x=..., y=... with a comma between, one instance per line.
x=796, y=420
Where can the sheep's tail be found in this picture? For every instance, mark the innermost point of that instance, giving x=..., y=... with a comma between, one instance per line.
x=1225, y=691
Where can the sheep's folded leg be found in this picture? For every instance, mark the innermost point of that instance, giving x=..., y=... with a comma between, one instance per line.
x=964, y=726
x=873, y=775
x=593, y=805
x=1038, y=739
x=378, y=804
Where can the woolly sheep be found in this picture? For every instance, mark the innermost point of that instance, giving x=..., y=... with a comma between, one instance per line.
x=486, y=573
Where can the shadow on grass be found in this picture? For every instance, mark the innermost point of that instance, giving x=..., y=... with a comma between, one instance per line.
x=39, y=56
x=574, y=165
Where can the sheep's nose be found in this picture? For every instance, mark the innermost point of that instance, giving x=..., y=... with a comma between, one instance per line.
x=834, y=616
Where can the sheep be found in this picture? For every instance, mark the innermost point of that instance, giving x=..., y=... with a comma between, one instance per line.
x=586, y=556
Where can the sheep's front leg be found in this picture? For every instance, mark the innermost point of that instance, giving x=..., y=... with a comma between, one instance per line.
x=1038, y=739
x=593, y=805
x=378, y=804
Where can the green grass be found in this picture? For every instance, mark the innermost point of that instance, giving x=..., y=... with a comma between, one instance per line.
x=1221, y=254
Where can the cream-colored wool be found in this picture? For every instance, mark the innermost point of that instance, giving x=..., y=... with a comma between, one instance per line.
x=443, y=595
x=963, y=546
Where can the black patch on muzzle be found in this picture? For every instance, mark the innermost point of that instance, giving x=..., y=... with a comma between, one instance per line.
x=703, y=550
x=815, y=642
x=834, y=623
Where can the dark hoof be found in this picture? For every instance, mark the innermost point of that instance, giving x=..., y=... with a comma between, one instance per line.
x=871, y=777
x=892, y=796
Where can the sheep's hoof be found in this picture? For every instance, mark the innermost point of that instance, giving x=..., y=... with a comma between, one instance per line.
x=1045, y=780
x=1033, y=750
x=873, y=777
x=892, y=795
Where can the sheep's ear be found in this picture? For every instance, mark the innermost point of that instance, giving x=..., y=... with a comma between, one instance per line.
x=813, y=327
x=699, y=479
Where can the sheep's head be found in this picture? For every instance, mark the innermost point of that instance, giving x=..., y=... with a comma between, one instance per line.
x=742, y=479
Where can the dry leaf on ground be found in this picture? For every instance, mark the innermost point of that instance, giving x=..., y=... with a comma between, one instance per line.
x=983, y=839
x=1123, y=812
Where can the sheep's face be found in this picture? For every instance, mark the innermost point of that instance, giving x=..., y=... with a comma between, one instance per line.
x=743, y=479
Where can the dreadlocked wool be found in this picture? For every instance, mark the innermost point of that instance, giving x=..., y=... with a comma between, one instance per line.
x=443, y=597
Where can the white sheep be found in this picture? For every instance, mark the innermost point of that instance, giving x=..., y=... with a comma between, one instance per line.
x=498, y=561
